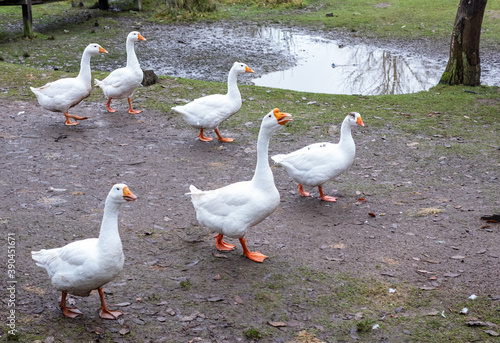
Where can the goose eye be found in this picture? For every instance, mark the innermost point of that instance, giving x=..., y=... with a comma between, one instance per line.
x=117, y=188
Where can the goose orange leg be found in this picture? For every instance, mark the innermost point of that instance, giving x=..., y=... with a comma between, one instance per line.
x=203, y=138
x=70, y=122
x=221, y=245
x=130, y=109
x=302, y=192
x=324, y=197
x=108, y=106
x=104, y=312
x=222, y=139
x=254, y=256
x=70, y=312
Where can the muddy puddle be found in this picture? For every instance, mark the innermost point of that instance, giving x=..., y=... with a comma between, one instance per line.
x=296, y=59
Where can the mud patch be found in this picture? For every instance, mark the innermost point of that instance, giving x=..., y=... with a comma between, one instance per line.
x=176, y=287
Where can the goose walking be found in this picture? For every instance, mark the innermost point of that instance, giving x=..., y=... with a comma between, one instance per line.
x=233, y=209
x=82, y=266
x=63, y=94
x=317, y=163
x=121, y=83
x=211, y=110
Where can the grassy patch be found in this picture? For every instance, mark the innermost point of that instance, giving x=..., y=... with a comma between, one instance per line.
x=341, y=304
x=253, y=333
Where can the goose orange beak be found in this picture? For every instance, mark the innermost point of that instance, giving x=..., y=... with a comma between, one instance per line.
x=248, y=69
x=359, y=121
x=102, y=50
x=128, y=195
x=140, y=37
x=282, y=117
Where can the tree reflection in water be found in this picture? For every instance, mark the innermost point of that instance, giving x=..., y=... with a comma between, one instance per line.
x=359, y=69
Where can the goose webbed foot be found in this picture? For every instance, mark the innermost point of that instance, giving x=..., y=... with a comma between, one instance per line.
x=255, y=255
x=302, y=192
x=70, y=312
x=69, y=122
x=203, y=138
x=222, y=139
x=324, y=197
x=130, y=109
x=108, y=106
x=221, y=245
x=104, y=312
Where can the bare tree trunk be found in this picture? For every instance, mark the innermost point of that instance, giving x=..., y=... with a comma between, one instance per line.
x=464, y=66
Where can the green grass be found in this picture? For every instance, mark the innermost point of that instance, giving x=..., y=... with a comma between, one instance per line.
x=326, y=295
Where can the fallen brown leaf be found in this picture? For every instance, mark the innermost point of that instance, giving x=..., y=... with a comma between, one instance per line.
x=189, y=318
x=451, y=274
x=422, y=271
x=306, y=337
x=492, y=333
x=427, y=288
x=214, y=298
x=428, y=211
x=277, y=324
x=122, y=304
x=218, y=255
x=123, y=331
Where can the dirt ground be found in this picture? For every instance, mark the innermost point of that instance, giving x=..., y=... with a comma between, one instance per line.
x=175, y=286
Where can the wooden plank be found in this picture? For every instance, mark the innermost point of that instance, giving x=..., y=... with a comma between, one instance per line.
x=25, y=2
x=13, y=2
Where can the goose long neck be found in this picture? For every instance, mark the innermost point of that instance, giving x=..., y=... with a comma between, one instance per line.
x=109, y=235
x=263, y=172
x=132, y=60
x=232, y=83
x=345, y=134
x=85, y=74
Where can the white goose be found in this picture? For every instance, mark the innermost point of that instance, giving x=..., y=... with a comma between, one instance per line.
x=233, y=209
x=209, y=111
x=61, y=95
x=121, y=83
x=317, y=163
x=82, y=266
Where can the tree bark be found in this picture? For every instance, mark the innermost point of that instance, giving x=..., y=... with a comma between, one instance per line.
x=464, y=65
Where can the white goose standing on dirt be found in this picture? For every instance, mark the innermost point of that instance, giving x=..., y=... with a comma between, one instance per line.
x=317, y=163
x=233, y=209
x=121, y=83
x=211, y=110
x=82, y=266
x=63, y=94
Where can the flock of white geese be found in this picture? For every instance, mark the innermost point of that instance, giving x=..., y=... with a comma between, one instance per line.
x=85, y=265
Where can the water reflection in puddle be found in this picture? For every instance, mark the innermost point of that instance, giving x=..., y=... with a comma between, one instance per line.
x=294, y=59
x=358, y=69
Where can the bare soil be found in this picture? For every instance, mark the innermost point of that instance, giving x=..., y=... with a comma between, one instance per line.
x=175, y=286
